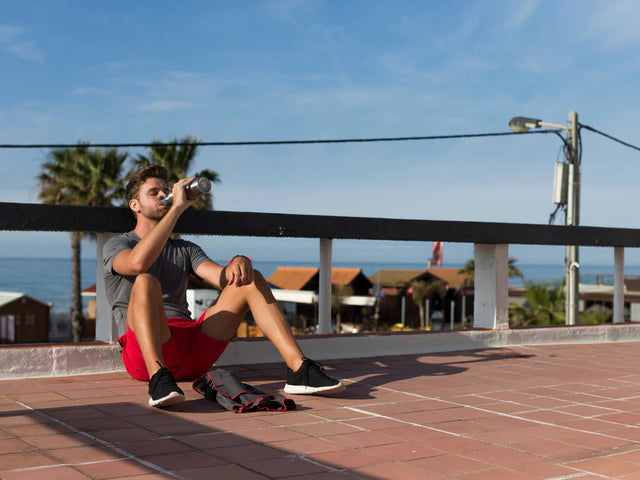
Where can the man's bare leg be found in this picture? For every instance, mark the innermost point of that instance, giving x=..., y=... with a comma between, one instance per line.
x=146, y=317
x=224, y=317
x=304, y=376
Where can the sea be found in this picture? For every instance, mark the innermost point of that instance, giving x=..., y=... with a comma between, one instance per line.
x=49, y=279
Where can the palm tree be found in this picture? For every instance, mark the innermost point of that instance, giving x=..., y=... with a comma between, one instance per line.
x=420, y=290
x=81, y=176
x=544, y=305
x=469, y=270
x=338, y=292
x=176, y=156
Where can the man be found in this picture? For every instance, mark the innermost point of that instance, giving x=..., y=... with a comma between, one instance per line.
x=146, y=276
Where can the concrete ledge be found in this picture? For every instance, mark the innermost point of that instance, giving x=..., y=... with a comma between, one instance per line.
x=327, y=347
x=28, y=361
x=64, y=360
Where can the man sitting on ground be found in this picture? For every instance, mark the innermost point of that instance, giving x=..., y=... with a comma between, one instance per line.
x=146, y=276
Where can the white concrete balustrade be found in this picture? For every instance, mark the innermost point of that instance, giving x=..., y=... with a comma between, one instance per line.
x=490, y=327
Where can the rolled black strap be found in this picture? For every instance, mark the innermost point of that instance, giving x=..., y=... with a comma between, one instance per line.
x=231, y=393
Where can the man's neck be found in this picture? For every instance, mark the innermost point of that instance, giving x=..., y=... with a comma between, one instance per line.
x=144, y=226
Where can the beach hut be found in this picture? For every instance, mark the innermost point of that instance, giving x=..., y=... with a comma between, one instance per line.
x=23, y=319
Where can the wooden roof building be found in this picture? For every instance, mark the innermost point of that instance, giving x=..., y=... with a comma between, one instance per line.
x=393, y=281
x=308, y=278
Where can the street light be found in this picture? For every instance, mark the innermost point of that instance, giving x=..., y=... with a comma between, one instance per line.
x=572, y=266
x=524, y=124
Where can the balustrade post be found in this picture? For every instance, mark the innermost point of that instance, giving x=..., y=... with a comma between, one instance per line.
x=106, y=329
x=324, y=294
x=618, y=285
x=491, y=286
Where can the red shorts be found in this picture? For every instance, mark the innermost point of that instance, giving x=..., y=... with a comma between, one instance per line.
x=188, y=354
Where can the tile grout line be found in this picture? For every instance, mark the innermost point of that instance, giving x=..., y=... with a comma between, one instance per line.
x=559, y=409
x=526, y=408
x=502, y=414
x=104, y=443
x=571, y=403
x=577, y=475
x=328, y=467
x=44, y=467
x=379, y=415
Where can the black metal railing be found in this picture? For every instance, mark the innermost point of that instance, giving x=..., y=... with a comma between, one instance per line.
x=65, y=218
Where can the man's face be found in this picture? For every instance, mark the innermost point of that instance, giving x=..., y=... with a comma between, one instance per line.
x=148, y=201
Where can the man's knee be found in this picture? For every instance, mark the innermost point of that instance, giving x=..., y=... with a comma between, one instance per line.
x=147, y=282
x=260, y=284
x=145, y=302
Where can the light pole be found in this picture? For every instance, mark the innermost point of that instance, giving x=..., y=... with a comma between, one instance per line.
x=572, y=145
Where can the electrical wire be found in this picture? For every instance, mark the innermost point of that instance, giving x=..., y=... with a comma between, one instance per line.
x=579, y=146
x=610, y=137
x=273, y=142
x=302, y=142
x=559, y=208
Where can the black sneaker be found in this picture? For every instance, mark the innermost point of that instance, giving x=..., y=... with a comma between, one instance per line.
x=310, y=378
x=163, y=389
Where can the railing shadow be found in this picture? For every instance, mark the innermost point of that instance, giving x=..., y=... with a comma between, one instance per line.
x=124, y=439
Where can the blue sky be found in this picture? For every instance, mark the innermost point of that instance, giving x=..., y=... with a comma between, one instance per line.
x=287, y=69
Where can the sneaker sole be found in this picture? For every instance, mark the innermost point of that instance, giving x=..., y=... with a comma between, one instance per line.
x=307, y=390
x=171, y=399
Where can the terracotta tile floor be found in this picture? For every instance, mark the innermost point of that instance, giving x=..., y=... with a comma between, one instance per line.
x=529, y=412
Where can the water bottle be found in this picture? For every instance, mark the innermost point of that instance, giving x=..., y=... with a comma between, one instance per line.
x=199, y=186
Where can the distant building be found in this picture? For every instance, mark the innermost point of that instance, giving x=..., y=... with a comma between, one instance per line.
x=396, y=303
x=296, y=288
x=308, y=278
x=23, y=319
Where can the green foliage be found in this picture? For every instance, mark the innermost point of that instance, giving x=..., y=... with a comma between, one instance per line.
x=82, y=176
x=595, y=315
x=544, y=305
x=420, y=290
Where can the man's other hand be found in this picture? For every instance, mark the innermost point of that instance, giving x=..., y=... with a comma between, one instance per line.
x=239, y=271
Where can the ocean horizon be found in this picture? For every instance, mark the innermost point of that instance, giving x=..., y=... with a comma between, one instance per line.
x=49, y=279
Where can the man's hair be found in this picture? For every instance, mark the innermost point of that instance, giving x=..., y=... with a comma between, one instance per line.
x=141, y=176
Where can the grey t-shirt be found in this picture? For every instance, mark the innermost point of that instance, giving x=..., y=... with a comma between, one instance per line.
x=178, y=260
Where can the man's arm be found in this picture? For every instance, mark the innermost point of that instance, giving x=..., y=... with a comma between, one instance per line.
x=138, y=259
x=238, y=272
